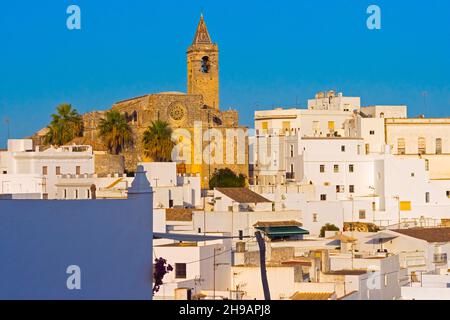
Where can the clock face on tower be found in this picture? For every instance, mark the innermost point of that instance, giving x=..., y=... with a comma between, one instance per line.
x=177, y=112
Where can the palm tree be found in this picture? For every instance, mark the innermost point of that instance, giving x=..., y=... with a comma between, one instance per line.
x=115, y=131
x=66, y=125
x=157, y=141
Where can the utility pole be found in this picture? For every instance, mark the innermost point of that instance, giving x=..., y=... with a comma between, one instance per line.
x=399, y=215
x=262, y=258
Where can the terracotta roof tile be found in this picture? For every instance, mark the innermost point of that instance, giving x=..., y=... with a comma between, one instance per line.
x=243, y=195
x=431, y=235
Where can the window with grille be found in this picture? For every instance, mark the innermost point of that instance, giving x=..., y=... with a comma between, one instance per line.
x=180, y=270
x=438, y=146
x=422, y=146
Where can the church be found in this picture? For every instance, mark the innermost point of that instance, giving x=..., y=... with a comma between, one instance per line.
x=181, y=110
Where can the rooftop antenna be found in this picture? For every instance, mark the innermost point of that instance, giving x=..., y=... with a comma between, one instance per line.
x=7, y=122
x=425, y=105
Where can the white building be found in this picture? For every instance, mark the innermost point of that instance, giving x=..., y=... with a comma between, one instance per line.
x=198, y=267
x=24, y=169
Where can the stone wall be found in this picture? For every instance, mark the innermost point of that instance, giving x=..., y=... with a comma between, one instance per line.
x=108, y=164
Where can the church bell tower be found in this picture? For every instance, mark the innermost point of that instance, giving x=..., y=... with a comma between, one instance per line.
x=203, y=67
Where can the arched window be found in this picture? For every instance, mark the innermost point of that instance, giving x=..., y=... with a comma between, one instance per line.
x=205, y=64
x=135, y=116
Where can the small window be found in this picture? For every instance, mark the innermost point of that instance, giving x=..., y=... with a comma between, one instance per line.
x=205, y=64
x=65, y=193
x=427, y=165
x=351, y=188
x=78, y=170
x=180, y=270
x=422, y=148
x=323, y=197
x=340, y=189
x=342, y=148
x=438, y=146
x=336, y=168
x=331, y=125
x=412, y=174
x=314, y=217
x=372, y=132
x=351, y=168
x=264, y=125
x=76, y=193
x=448, y=194
x=88, y=193
x=58, y=171
x=401, y=146
x=44, y=170
x=427, y=197
x=291, y=150
x=362, y=214
x=322, y=168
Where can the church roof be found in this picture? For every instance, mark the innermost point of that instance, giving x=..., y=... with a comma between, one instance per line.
x=202, y=34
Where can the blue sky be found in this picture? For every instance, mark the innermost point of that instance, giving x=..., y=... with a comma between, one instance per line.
x=272, y=53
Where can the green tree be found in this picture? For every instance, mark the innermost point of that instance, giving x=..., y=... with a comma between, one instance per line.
x=157, y=141
x=226, y=178
x=66, y=125
x=115, y=131
x=328, y=227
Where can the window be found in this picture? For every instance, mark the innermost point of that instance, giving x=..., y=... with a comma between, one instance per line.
x=351, y=188
x=336, y=168
x=264, y=125
x=422, y=147
x=78, y=170
x=374, y=206
x=427, y=197
x=367, y=148
x=362, y=214
x=342, y=148
x=88, y=193
x=351, y=168
x=438, y=146
x=323, y=197
x=401, y=146
x=180, y=270
x=412, y=174
x=76, y=193
x=65, y=193
x=340, y=189
x=331, y=125
x=427, y=165
x=372, y=132
x=314, y=217
x=205, y=64
x=58, y=171
x=291, y=150
x=385, y=280
x=286, y=126
x=44, y=170
x=382, y=115
x=322, y=168
x=448, y=194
